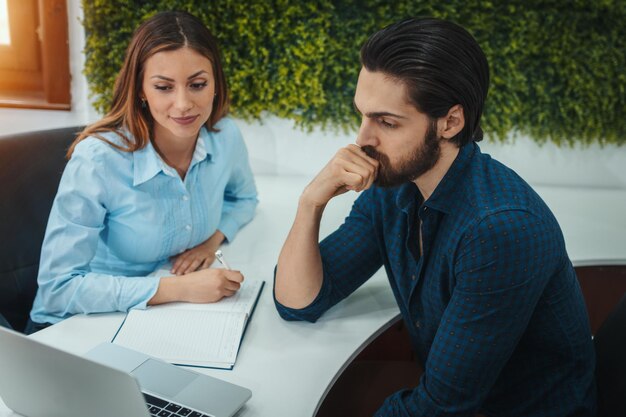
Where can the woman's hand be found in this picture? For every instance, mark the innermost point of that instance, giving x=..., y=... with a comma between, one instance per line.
x=199, y=257
x=203, y=286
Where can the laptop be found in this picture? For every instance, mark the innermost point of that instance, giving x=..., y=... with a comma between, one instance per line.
x=41, y=381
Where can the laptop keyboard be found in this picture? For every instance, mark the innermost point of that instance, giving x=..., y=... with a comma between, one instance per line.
x=161, y=408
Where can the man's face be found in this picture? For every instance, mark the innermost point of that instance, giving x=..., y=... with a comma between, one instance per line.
x=393, y=131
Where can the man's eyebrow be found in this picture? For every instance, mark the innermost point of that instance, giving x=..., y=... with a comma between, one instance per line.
x=373, y=115
x=194, y=75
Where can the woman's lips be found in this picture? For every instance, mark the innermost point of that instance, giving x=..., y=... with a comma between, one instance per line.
x=185, y=120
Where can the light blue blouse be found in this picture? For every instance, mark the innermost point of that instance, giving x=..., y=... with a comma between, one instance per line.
x=118, y=216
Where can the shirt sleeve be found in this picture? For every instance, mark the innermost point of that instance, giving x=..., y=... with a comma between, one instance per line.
x=350, y=256
x=502, y=268
x=240, y=195
x=67, y=286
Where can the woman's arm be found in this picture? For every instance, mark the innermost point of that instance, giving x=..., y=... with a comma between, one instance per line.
x=67, y=285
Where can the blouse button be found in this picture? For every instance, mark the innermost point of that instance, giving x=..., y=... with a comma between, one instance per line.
x=188, y=227
x=185, y=197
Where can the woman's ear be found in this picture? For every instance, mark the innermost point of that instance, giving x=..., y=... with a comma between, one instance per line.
x=452, y=123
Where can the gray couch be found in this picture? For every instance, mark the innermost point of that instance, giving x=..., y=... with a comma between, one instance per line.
x=31, y=165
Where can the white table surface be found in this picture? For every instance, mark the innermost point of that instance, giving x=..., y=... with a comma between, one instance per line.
x=290, y=366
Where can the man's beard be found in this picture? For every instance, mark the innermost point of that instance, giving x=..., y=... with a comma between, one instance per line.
x=423, y=159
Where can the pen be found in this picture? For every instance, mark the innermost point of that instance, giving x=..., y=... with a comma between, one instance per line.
x=220, y=257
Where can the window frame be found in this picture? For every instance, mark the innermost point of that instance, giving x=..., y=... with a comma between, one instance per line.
x=34, y=69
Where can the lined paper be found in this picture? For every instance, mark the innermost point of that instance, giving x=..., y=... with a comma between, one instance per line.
x=206, y=335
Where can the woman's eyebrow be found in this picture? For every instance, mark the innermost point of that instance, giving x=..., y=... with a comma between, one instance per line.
x=194, y=75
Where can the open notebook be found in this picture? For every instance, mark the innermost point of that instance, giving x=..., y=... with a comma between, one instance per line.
x=203, y=335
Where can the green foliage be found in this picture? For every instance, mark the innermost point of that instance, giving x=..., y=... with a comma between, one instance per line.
x=557, y=67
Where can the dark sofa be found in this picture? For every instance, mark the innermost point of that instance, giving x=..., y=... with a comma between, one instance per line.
x=31, y=165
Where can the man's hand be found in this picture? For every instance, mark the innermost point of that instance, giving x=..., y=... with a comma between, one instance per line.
x=299, y=271
x=349, y=169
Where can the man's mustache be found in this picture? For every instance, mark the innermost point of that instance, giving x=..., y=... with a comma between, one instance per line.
x=371, y=152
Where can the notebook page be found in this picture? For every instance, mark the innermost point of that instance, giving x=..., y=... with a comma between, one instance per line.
x=181, y=336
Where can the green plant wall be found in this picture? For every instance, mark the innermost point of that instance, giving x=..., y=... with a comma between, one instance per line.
x=558, y=68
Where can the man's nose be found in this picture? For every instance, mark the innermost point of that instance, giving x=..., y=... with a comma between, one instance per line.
x=367, y=134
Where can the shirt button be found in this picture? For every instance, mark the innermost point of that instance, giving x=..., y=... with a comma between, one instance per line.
x=413, y=277
x=418, y=324
x=188, y=227
x=181, y=250
x=185, y=197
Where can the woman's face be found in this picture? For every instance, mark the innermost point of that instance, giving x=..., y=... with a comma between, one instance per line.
x=179, y=88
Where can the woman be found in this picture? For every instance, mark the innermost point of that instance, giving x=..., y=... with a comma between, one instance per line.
x=164, y=176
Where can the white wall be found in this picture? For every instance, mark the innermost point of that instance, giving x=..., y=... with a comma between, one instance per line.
x=276, y=147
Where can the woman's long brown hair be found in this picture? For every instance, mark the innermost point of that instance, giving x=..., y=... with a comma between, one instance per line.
x=165, y=31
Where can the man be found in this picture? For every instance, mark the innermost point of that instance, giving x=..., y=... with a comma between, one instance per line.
x=475, y=259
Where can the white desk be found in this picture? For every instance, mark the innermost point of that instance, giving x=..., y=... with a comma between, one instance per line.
x=289, y=366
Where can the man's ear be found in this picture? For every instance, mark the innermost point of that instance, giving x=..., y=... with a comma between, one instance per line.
x=452, y=123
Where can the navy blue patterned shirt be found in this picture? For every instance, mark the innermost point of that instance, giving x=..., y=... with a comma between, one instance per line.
x=491, y=300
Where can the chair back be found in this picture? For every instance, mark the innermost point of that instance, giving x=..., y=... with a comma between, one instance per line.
x=31, y=165
x=610, y=346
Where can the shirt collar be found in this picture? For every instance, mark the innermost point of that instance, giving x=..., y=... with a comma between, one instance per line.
x=407, y=196
x=441, y=199
x=148, y=163
x=205, y=147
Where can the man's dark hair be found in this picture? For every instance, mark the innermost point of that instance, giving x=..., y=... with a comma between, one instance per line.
x=441, y=65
